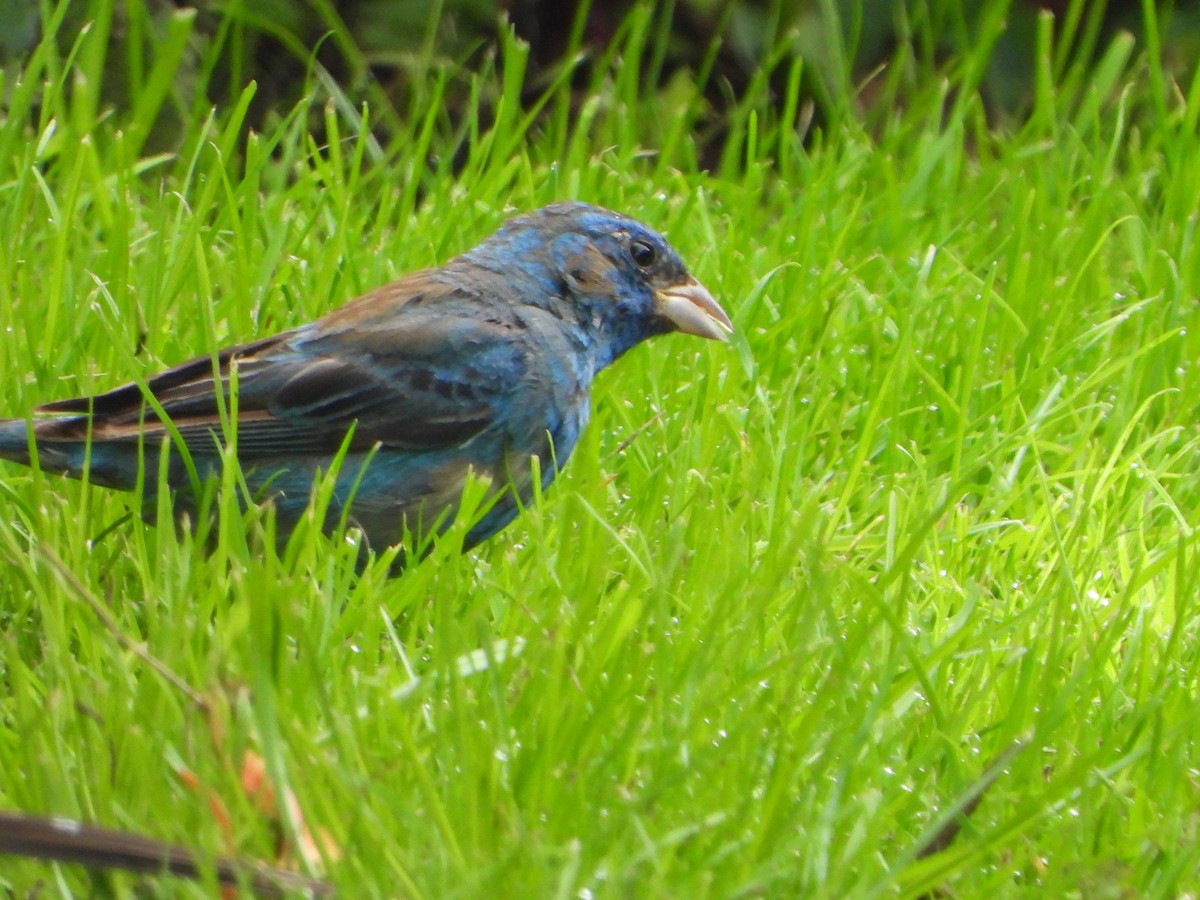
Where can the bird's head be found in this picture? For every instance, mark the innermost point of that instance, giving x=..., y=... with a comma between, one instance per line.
x=621, y=279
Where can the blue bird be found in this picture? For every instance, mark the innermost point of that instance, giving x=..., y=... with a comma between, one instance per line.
x=479, y=366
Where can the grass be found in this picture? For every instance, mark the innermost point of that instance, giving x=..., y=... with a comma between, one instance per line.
x=920, y=542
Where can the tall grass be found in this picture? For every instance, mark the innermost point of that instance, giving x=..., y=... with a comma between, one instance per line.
x=895, y=593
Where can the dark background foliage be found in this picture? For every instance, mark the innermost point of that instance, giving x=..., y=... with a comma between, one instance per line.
x=387, y=52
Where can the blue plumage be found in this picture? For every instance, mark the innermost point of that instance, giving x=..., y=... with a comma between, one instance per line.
x=481, y=364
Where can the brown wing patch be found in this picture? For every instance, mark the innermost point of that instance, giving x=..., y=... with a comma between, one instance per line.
x=380, y=305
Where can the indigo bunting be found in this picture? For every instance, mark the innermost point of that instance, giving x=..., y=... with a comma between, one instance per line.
x=480, y=365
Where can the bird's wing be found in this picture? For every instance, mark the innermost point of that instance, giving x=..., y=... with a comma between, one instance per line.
x=419, y=380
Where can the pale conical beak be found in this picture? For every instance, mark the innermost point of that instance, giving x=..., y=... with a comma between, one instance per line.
x=690, y=308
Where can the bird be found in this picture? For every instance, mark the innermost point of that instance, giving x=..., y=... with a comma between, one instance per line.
x=482, y=367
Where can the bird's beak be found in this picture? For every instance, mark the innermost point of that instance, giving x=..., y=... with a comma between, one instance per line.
x=690, y=308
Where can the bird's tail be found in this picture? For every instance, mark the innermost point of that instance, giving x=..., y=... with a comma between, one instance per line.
x=64, y=446
x=14, y=440
x=62, y=456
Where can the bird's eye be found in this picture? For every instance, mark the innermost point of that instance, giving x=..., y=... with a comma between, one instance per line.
x=643, y=254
